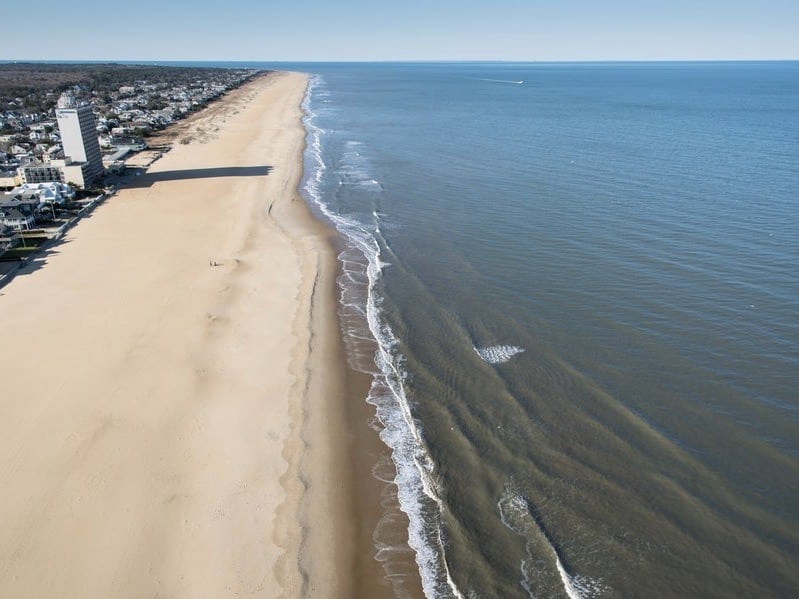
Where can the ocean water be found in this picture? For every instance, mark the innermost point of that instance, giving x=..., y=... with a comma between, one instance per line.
x=576, y=287
x=583, y=281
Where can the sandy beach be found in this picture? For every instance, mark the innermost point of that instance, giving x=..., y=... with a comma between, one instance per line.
x=172, y=383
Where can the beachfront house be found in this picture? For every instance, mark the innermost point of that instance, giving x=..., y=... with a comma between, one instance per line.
x=19, y=210
x=16, y=219
x=51, y=192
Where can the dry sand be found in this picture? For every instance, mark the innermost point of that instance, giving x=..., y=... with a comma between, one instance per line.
x=170, y=428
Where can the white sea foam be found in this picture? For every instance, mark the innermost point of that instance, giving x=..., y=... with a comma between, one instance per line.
x=497, y=354
x=362, y=265
x=515, y=513
x=354, y=168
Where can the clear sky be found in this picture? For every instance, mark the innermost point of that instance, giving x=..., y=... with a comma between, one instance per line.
x=299, y=30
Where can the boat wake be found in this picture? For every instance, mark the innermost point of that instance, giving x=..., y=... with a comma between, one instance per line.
x=520, y=82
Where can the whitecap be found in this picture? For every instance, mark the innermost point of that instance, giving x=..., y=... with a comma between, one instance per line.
x=497, y=354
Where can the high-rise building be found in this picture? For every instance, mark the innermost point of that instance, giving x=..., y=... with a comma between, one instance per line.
x=78, y=129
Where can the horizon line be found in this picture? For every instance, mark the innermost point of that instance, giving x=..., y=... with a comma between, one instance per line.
x=388, y=61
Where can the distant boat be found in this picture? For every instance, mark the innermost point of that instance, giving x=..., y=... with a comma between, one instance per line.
x=502, y=81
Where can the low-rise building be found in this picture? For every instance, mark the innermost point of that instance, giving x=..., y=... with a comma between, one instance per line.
x=16, y=219
x=17, y=212
x=134, y=144
x=40, y=173
x=50, y=192
x=8, y=179
x=62, y=171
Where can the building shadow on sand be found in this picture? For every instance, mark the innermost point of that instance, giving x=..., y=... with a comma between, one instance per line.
x=10, y=270
x=133, y=178
x=138, y=178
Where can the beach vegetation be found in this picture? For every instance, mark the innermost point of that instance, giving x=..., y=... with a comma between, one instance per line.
x=25, y=248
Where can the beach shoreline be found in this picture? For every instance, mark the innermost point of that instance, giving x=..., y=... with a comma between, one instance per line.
x=183, y=430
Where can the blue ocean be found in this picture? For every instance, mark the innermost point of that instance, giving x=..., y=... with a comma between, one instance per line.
x=576, y=290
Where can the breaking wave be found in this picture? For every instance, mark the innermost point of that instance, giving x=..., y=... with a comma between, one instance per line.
x=518, y=514
x=362, y=266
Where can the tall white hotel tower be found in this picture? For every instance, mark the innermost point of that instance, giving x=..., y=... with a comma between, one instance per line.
x=78, y=129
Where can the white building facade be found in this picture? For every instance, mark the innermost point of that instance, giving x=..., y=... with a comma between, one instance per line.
x=78, y=129
x=61, y=171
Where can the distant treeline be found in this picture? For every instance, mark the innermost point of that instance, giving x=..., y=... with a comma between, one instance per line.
x=32, y=81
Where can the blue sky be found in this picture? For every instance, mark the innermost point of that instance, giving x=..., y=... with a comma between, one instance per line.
x=402, y=30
